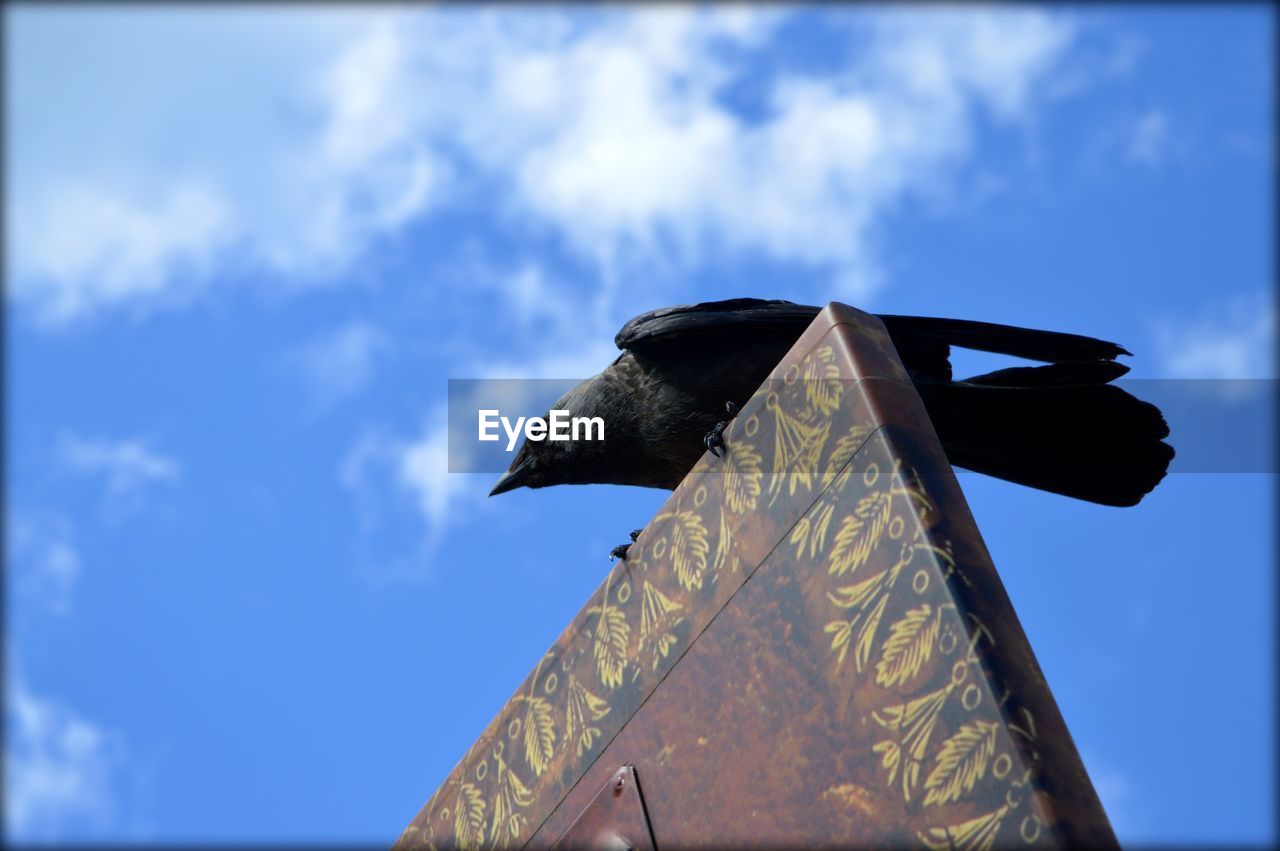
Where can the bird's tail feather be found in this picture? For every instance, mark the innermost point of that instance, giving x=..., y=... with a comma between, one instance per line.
x=1048, y=346
x=1092, y=441
x=1053, y=375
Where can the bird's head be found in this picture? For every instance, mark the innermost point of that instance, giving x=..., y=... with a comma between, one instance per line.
x=531, y=468
x=543, y=463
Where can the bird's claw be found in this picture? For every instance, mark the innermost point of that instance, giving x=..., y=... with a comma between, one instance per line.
x=715, y=439
x=620, y=551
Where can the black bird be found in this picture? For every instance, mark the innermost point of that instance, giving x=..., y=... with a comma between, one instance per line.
x=1060, y=427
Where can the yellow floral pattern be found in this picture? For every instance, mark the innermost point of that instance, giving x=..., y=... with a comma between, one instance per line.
x=883, y=607
x=892, y=590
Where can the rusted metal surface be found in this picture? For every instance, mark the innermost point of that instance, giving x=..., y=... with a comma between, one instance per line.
x=614, y=820
x=808, y=645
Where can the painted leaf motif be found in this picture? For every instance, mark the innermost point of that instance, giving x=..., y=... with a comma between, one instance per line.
x=742, y=477
x=797, y=446
x=581, y=708
x=723, y=545
x=908, y=647
x=867, y=633
x=1027, y=729
x=657, y=618
x=822, y=386
x=800, y=535
x=510, y=796
x=891, y=755
x=539, y=733
x=689, y=549
x=846, y=446
x=910, y=778
x=914, y=722
x=468, y=817
x=860, y=532
x=917, y=717
x=840, y=641
x=858, y=594
x=961, y=762
x=812, y=531
x=610, y=645
x=976, y=834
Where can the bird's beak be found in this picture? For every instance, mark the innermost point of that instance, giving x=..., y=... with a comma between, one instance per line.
x=514, y=478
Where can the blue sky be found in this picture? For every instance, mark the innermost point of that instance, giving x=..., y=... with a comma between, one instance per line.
x=248, y=246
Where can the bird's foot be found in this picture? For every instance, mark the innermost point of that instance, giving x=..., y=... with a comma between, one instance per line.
x=620, y=551
x=714, y=439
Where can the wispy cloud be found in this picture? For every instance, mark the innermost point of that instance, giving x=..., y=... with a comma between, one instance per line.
x=537, y=305
x=61, y=770
x=127, y=466
x=341, y=362
x=281, y=150
x=1231, y=339
x=1149, y=139
x=574, y=342
x=614, y=129
x=422, y=467
x=386, y=474
x=624, y=142
x=382, y=470
x=42, y=562
x=99, y=247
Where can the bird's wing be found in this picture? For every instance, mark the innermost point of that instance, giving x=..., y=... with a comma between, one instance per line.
x=768, y=327
x=923, y=342
x=711, y=321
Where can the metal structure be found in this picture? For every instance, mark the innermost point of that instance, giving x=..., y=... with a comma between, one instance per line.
x=807, y=646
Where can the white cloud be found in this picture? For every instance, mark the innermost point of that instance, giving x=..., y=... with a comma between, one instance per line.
x=380, y=469
x=422, y=467
x=996, y=56
x=379, y=466
x=128, y=469
x=42, y=564
x=128, y=466
x=100, y=247
x=184, y=144
x=1149, y=140
x=369, y=170
x=61, y=770
x=573, y=330
x=340, y=363
x=1233, y=339
x=610, y=127
x=625, y=145
x=537, y=304
x=416, y=467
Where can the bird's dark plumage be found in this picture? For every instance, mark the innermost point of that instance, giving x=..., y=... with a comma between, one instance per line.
x=1060, y=427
